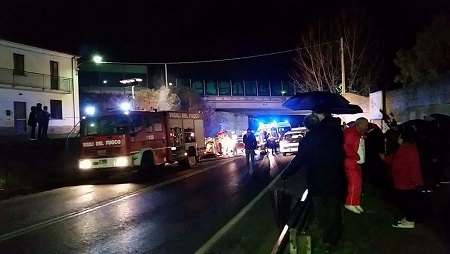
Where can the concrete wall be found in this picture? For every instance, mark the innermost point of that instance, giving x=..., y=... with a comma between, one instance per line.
x=363, y=102
x=415, y=102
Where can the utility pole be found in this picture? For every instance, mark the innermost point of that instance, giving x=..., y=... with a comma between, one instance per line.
x=342, y=66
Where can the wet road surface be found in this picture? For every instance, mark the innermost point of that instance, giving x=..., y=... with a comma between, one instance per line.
x=173, y=213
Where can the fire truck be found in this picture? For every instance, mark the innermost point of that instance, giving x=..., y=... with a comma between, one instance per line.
x=140, y=139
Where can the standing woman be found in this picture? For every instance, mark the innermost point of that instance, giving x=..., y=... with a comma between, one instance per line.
x=406, y=177
x=32, y=122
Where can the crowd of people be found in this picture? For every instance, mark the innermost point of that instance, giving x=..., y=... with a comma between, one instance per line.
x=407, y=159
x=39, y=117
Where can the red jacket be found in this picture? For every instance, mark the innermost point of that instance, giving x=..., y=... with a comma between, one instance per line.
x=405, y=167
x=351, y=145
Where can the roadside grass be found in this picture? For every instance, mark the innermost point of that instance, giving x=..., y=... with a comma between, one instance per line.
x=361, y=232
x=371, y=232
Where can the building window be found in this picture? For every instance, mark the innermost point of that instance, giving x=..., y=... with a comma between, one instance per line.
x=56, y=109
x=19, y=64
x=54, y=75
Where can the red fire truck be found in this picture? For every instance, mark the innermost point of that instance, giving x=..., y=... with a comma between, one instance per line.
x=142, y=139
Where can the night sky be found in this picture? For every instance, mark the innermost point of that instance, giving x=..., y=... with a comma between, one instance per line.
x=168, y=30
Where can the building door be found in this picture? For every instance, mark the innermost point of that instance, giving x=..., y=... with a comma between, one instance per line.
x=20, y=117
x=54, y=75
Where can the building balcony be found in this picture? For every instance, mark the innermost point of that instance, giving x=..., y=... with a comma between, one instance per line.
x=34, y=81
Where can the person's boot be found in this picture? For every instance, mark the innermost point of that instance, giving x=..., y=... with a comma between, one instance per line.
x=360, y=208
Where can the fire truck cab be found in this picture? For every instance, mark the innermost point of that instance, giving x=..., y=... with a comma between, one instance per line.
x=141, y=139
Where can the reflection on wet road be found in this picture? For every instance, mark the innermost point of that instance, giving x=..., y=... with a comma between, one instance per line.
x=174, y=213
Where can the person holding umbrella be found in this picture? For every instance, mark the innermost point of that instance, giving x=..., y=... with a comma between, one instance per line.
x=321, y=153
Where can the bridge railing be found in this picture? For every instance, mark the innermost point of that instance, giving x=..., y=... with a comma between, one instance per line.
x=238, y=87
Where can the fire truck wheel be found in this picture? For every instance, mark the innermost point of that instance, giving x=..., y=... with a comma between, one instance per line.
x=147, y=166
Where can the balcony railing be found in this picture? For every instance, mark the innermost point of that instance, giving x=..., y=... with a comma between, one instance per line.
x=35, y=80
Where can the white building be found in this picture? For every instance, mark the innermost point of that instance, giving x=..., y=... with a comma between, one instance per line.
x=30, y=75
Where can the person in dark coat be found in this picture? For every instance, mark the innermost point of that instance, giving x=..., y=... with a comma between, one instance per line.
x=32, y=122
x=250, y=143
x=46, y=121
x=377, y=172
x=40, y=118
x=322, y=154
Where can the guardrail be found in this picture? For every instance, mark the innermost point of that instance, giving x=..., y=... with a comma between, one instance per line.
x=298, y=220
x=35, y=80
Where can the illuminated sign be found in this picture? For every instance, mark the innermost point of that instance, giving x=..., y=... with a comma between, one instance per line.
x=184, y=115
x=103, y=143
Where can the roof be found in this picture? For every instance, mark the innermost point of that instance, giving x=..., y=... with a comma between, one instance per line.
x=35, y=49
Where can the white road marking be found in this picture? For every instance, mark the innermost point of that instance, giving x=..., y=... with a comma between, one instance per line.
x=208, y=245
x=61, y=218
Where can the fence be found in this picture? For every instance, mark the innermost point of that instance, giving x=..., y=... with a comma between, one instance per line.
x=35, y=80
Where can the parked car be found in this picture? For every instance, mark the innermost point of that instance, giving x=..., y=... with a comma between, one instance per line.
x=291, y=139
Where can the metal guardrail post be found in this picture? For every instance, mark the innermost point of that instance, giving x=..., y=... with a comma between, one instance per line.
x=298, y=220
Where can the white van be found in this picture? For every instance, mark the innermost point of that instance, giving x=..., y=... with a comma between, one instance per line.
x=289, y=142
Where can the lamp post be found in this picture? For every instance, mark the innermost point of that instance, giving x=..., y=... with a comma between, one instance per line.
x=131, y=83
x=95, y=59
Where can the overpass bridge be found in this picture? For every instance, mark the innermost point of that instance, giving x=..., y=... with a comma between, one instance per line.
x=251, y=98
x=251, y=106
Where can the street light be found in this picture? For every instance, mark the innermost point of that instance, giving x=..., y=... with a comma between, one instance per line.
x=95, y=59
x=131, y=83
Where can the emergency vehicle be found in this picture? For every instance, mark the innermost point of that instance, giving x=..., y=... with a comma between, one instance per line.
x=142, y=139
x=274, y=130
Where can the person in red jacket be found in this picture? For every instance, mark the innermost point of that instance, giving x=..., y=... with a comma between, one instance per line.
x=354, y=156
x=406, y=177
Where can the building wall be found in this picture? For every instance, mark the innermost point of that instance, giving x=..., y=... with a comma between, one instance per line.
x=362, y=101
x=31, y=98
x=36, y=60
x=34, y=86
x=415, y=102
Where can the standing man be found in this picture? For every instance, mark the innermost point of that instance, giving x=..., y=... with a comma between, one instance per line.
x=321, y=153
x=355, y=155
x=250, y=143
x=40, y=118
x=32, y=122
x=46, y=121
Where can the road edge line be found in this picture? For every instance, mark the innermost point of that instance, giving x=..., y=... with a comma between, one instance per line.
x=207, y=246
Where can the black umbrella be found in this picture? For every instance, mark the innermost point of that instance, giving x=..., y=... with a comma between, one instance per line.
x=316, y=99
x=443, y=120
x=420, y=126
x=349, y=109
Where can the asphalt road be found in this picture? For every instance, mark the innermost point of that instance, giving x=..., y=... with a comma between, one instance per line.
x=176, y=212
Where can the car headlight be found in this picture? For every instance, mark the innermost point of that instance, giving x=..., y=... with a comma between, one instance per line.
x=121, y=162
x=85, y=164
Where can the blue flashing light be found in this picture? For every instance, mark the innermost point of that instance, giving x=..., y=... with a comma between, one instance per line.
x=89, y=110
x=125, y=106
